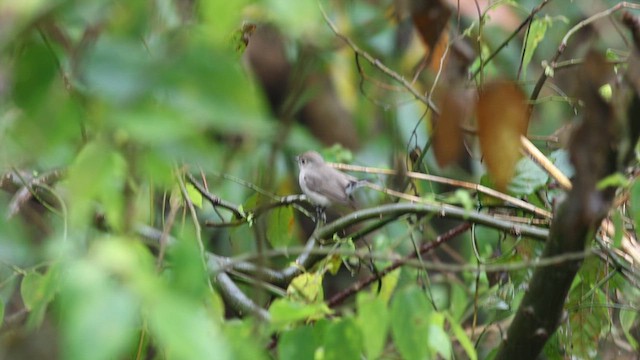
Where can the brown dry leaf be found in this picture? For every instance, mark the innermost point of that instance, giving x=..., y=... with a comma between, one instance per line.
x=447, y=134
x=430, y=19
x=503, y=116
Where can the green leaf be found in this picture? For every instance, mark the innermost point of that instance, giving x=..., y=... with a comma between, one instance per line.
x=299, y=343
x=170, y=315
x=194, y=195
x=389, y=283
x=562, y=161
x=634, y=204
x=101, y=320
x=410, y=321
x=285, y=312
x=463, y=339
x=187, y=275
x=464, y=199
x=97, y=174
x=237, y=332
x=438, y=339
x=32, y=289
x=37, y=291
x=307, y=287
x=281, y=227
x=34, y=71
x=529, y=177
x=459, y=300
x=536, y=34
x=373, y=320
x=614, y=180
x=296, y=18
x=1, y=312
x=618, y=226
x=627, y=320
x=121, y=70
x=343, y=340
x=220, y=18
x=606, y=92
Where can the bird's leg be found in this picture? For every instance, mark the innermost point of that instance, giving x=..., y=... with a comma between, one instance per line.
x=321, y=215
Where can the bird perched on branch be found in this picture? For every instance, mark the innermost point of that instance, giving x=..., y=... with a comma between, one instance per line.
x=323, y=185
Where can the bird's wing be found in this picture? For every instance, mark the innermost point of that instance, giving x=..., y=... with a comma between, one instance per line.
x=333, y=187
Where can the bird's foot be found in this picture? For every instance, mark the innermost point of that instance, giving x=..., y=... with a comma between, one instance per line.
x=321, y=215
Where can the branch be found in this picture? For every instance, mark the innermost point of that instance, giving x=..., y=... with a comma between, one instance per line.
x=214, y=200
x=441, y=210
x=232, y=294
x=26, y=187
x=594, y=154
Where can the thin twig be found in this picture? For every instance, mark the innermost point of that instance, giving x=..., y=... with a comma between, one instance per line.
x=214, y=200
x=378, y=64
x=513, y=34
x=570, y=33
x=539, y=158
x=442, y=180
x=344, y=294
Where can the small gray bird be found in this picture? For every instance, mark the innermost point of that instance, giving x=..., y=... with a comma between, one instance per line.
x=324, y=185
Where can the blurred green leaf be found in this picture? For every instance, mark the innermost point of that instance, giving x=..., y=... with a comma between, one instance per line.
x=186, y=274
x=627, y=320
x=34, y=70
x=528, y=178
x=194, y=195
x=37, y=291
x=307, y=287
x=16, y=15
x=634, y=204
x=618, y=226
x=463, y=339
x=237, y=332
x=170, y=315
x=100, y=316
x=373, y=321
x=32, y=289
x=297, y=18
x=281, y=227
x=285, y=312
x=298, y=343
x=536, y=34
x=614, y=180
x=389, y=283
x=220, y=18
x=438, y=338
x=98, y=174
x=343, y=340
x=410, y=314
x=561, y=160
x=120, y=71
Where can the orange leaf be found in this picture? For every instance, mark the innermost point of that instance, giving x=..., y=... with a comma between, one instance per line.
x=447, y=134
x=430, y=19
x=503, y=117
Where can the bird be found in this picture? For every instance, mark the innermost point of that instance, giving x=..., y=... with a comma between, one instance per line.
x=323, y=185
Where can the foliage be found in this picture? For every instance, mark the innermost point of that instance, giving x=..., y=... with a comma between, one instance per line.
x=147, y=171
